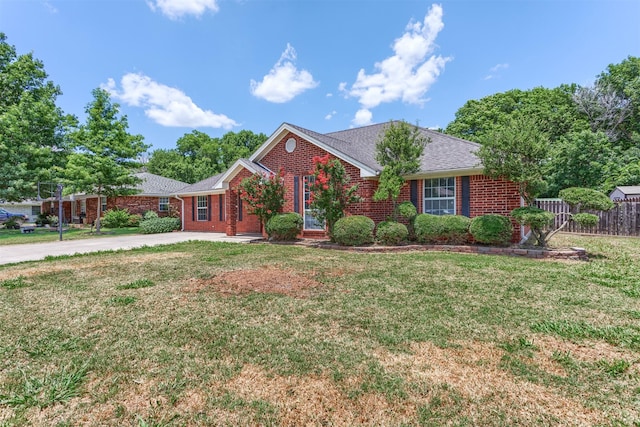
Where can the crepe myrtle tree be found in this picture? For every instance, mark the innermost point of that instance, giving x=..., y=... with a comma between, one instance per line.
x=331, y=194
x=264, y=193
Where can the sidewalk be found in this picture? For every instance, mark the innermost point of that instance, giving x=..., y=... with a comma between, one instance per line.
x=37, y=251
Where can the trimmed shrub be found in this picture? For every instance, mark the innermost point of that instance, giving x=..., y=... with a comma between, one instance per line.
x=408, y=210
x=442, y=229
x=159, y=225
x=491, y=229
x=284, y=226
x=116, y=218
x=354, y=230
x=391, y=233
x=134, y=220
x=533, y=217
x=586, y=219
x=149, y=215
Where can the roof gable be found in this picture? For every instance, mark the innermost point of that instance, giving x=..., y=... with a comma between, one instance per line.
x=444, y=154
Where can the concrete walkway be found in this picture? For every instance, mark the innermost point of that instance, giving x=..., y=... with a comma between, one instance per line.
x=37, y=251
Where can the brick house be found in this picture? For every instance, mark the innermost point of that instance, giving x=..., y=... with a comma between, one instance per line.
x=155, y=193
x=450, y=180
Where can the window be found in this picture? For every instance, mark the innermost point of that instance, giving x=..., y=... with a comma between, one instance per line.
x=203, y=208
x=163, y=205
x=103, y=201
x=440, y=196
x=83, y=207
x=310, y=222
x=35, y=210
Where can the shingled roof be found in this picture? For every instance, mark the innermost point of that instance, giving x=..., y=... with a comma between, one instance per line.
x=442, y=153
x=156, y=185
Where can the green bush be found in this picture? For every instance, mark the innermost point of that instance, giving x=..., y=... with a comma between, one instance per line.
x=391, y=233
x=442, y=229
x=586, y=219
x=586, y=199
x=134, y=220
x=408, y=210
x=116, y=218
x=491, y=229
x=149, y=215
x=284, y=226
x=159, y=225
x=354, y=230
x=533, y=217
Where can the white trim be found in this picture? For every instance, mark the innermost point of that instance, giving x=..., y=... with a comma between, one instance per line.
x=276, y=137
x=455, y=193
x=223, y=181
x=445, y=173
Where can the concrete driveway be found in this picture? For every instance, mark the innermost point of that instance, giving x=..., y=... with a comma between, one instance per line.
x=37, y=251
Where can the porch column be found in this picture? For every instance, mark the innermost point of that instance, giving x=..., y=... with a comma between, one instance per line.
x=231, y=206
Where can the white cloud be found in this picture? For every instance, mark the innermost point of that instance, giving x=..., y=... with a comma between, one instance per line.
x=176, y=9
x=494, y=70
x=330, y=115
x=408, y=74
x=165, y=105
x=363, y=117
x=329, y=95
x=284, y=81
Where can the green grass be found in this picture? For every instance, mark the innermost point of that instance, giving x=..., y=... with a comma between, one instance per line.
x=15, y=237
x=168, y=336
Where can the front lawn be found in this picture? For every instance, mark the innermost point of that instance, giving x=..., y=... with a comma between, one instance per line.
x=41, y=234
x=204, y=333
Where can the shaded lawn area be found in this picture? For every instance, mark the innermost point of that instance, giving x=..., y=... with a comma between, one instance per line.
x=204, y=333
x=41, y=234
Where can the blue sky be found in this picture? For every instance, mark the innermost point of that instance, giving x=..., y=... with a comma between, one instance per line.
x=221, y=65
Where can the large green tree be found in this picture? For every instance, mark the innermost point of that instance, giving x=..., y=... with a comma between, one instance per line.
x=517, y=151
x=32, y=127
x=399, y=151
x=105, y=154
x=198, y=156
x=553, y=111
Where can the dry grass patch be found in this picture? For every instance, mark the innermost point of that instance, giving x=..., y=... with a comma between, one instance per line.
x=473, y=370
x=268, y=279
x=315, y=400
x=88, y=265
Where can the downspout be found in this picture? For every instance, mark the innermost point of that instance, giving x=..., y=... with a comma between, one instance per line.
x=181, y=212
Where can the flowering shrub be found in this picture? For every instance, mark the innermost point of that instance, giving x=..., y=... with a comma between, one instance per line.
x=264, y=193
x=330, y=191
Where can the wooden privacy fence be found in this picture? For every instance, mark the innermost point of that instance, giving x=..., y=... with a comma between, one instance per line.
x=622, y=220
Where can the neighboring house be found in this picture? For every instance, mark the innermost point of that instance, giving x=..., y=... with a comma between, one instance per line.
x=30, y=208
x=625, y=192
x=155, y=193
x=450, y=180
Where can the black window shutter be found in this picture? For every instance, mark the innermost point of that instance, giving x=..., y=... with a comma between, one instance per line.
x=296, y=194
x=466, y=196
x=221, y=207
x=209, y=207
x=193, y=208
x=239, y=208
x=413, y=191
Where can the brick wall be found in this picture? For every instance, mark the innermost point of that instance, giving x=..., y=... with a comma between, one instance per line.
x=494, y=196
x=215, y=224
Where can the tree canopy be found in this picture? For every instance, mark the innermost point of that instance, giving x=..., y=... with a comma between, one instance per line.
x=593, y=131
x=105, y=154
x=32, y=127
x=198, y=156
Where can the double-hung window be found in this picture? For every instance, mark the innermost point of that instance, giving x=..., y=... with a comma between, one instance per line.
x=310, y=222
x=163, y=204
x=103, y=202
x=440, y=196
x=203, y=208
